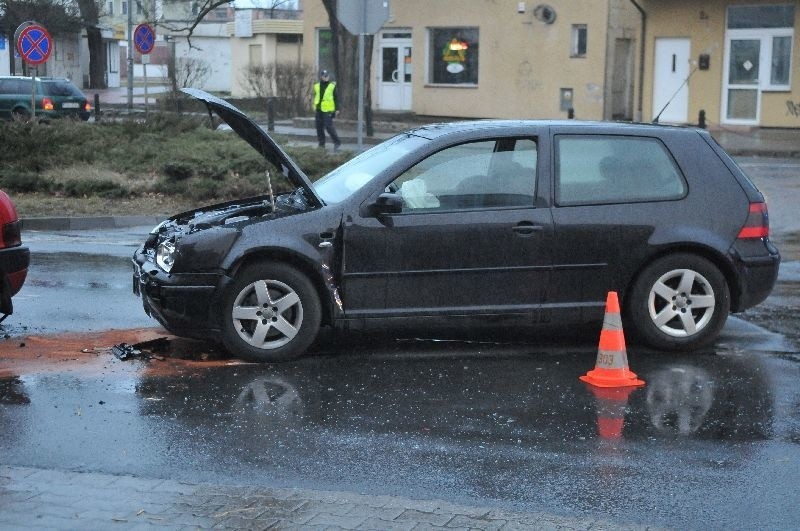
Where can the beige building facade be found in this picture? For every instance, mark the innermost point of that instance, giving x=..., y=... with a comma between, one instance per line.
x=500, y=59
x=740, y=58
x=262, y=42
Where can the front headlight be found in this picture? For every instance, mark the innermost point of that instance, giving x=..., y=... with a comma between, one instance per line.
x=165, y=255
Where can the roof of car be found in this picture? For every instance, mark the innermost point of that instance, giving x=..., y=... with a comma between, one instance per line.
x=41, y=78
x=435, y=130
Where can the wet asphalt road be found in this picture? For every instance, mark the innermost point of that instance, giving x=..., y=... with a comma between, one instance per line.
x=712, y=440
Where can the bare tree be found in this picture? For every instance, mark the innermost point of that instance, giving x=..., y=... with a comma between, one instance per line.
x=90, y=17
x=204, y=7
x=344, y=46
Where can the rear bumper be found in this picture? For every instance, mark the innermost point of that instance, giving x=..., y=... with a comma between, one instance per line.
x=14, y=262
x=757, y=277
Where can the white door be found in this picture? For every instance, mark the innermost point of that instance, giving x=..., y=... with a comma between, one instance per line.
x=670, y=89
x=395, y=71
x=112, y=63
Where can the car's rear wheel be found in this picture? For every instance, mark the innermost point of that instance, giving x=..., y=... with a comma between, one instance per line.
x=272, y=313
x=679, y=302
x=20, y=115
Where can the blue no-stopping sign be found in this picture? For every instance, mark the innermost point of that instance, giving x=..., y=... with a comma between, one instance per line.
x=34, y=44
x=144, y=38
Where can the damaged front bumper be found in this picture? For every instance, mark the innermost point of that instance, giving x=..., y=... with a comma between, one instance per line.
x=184, y=303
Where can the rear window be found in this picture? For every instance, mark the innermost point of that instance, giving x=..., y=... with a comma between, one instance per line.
x=62, y=88
x=599, y=169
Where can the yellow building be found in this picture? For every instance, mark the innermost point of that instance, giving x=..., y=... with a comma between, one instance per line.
x=501, y=58
x=739, y=56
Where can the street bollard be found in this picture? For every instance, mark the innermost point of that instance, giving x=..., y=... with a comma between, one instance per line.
x=701, y=119
x=368, y=120
x=571, y=113
x=270, y=114
x=96, y=107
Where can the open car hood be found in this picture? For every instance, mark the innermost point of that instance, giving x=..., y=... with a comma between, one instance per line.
x=260, y=140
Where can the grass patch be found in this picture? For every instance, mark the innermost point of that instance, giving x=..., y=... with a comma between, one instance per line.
x=166, y=156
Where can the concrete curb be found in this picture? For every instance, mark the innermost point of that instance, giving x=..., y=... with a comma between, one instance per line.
x=89, y=222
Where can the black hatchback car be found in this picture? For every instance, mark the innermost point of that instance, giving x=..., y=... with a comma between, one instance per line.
x=516, y=222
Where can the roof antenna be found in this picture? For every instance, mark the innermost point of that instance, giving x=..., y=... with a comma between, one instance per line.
x=664, y=108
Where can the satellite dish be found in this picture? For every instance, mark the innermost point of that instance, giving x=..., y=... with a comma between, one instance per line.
x=544, y=13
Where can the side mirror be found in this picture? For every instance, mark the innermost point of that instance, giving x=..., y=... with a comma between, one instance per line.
x=386, y=203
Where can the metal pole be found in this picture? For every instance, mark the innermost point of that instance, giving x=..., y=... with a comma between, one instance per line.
x=360, y=91
x=130, y=58
x=363, y=28
x=144, y=67
x=34, y=75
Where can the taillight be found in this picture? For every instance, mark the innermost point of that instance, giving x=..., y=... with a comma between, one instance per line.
x=757, y=223
x=47, y=104
x=11, y=234
x=87, y=107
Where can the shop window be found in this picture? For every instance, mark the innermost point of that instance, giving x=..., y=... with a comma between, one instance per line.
x=453, y=56
x=770, y=29
x=781, y=60
x=579, y=38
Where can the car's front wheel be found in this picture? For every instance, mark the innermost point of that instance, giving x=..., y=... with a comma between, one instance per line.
x=272, y=313
x=679, y=302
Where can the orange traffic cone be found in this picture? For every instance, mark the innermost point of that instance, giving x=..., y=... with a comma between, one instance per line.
x=611, y=368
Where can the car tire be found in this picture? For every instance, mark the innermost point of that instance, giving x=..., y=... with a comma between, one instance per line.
x=679, y=302
x=271, y=313
x=20, y=115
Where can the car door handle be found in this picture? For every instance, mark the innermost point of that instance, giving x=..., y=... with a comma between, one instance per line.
x=527, y=228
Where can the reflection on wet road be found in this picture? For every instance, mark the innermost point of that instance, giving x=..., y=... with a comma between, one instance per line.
x=712, y=437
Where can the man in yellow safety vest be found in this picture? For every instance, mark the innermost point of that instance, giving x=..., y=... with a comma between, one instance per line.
x=325, y=108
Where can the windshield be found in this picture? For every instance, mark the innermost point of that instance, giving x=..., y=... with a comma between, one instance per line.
x=348, y=178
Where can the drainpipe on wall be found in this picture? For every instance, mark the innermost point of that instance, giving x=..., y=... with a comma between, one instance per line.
x=640, y=96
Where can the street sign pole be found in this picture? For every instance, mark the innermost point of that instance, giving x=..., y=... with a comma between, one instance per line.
x=360, y=92
x=33, y=93
x=144, y=39
x=130, y=58
x=145, y=60
x=34, y=45
x=362, y=17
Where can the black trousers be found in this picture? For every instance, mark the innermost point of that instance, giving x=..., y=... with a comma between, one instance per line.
x=324, y=122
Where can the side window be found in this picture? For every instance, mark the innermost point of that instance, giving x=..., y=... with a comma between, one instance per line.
x=497, y=173
x=596, y=169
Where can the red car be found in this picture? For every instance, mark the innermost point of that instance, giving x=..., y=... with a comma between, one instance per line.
x=14, y=258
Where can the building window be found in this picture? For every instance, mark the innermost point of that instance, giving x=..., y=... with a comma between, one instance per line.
x=453, y=56
x=781, y=60
x=111, y=8
x=138, y=7
x=579, y=35
x=124, y=8
x=289, y=38
x=769, y=31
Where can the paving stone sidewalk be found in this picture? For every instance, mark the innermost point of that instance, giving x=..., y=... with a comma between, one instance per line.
x=33, y=498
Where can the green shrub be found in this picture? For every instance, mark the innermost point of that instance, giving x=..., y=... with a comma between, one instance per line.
x=177, y=172
x=23, y=181
x=205, y=189
x=89, y=187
